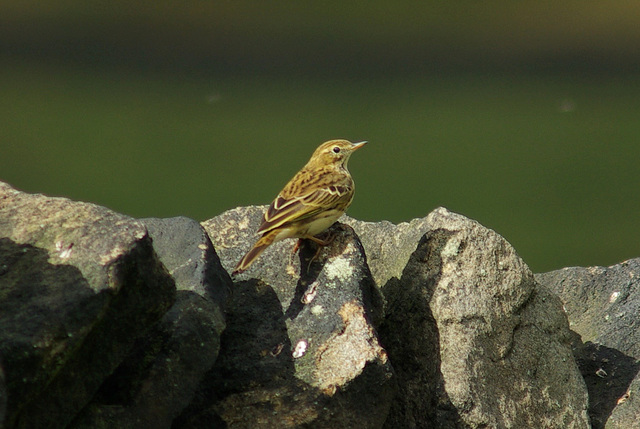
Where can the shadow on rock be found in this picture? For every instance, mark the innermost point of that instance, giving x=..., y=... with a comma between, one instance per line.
x=608, y=373
x=255, y=351
x=62, y=335
x=410, y=336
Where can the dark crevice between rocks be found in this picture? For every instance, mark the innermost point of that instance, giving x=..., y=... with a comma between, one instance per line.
x=608, y=373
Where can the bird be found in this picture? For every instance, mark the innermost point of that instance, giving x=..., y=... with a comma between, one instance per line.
x=310, y=202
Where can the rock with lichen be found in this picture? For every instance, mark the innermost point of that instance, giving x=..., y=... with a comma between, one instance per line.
x=300, y=345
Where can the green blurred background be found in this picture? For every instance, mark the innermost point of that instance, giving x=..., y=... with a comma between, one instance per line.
x=522, y=115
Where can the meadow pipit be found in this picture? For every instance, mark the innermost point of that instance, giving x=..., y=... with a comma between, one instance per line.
x=311, y=202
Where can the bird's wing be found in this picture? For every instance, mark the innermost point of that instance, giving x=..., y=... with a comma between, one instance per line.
x=284, y=211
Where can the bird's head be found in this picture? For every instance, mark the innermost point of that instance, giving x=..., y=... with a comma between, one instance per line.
x=334, y=152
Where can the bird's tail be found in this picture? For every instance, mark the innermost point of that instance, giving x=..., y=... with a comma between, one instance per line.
x=253, y=254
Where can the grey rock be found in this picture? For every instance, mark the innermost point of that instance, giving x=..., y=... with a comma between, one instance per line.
x=477, y=342
x=159, y=378
x=186, y=250
x=626, y=413
x=603, y=304
x=78, y=285
x=300, y=346
x=94, y=334
x=388, y=246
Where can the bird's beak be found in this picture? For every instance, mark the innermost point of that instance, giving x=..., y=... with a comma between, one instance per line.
x=358, y=145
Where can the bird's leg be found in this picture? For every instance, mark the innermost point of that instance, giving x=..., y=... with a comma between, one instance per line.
x=297, y=246
x=321, y=243
x=317, y=240
x=315, y=256
x=299, y=243
x=294, y=250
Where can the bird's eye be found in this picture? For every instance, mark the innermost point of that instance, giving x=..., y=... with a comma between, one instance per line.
x=336, y=149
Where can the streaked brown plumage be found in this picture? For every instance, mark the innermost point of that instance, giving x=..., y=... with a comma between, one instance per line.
x=311, y=202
